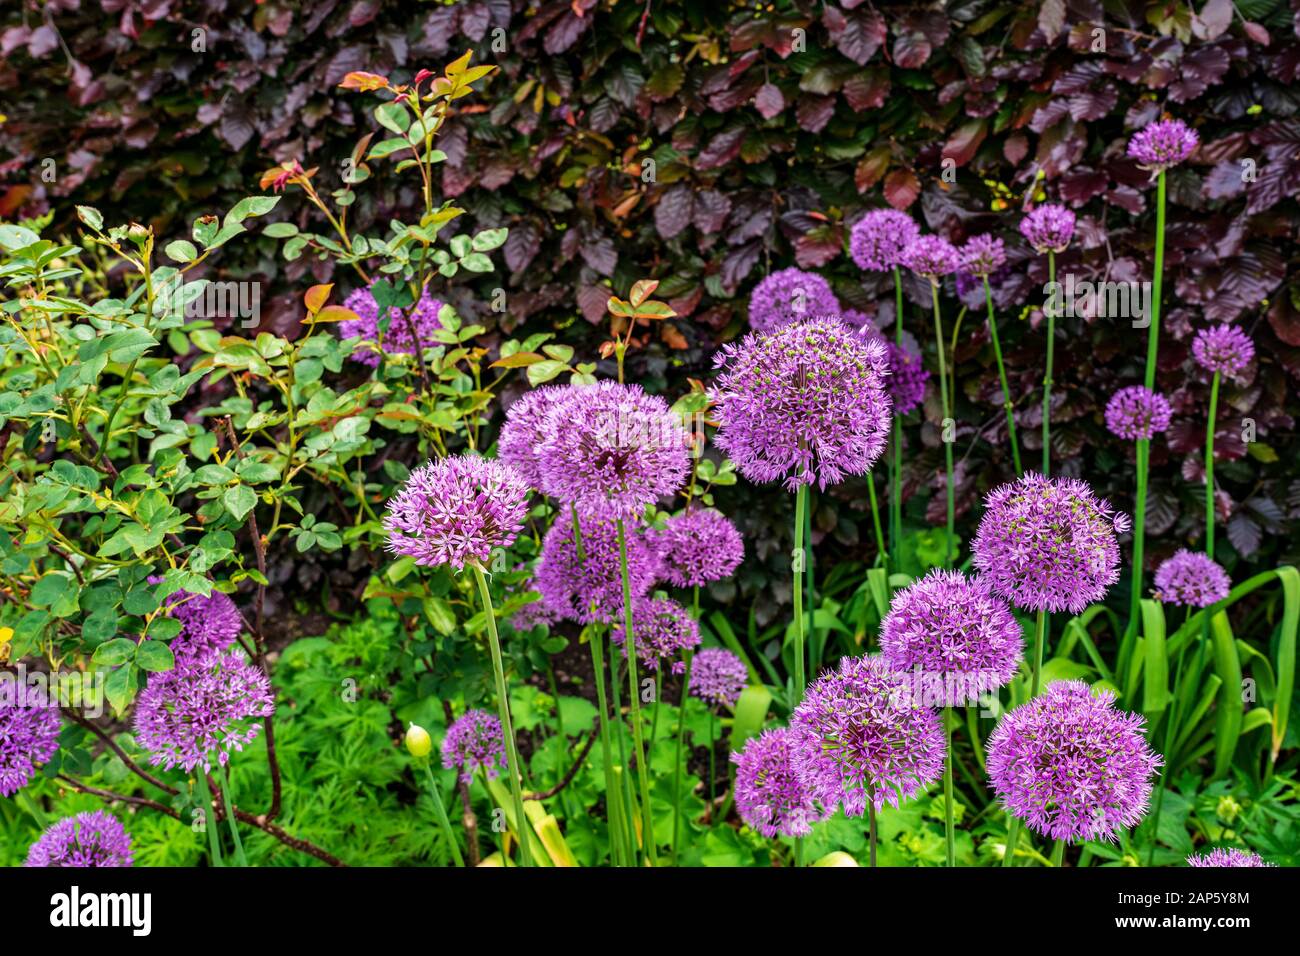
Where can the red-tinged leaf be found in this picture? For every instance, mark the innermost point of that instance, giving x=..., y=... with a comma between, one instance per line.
x=642, y=289
x=364, y=82
x=1016, y=148
x=565, y=33
x=858, y=35
x=521, y=246
x=316, y=297
x=599, y=253
x=911, y=49
x=868, y=89
x=901, y=188
x=519, y=360
x=768, y=100
x=1256, y=32
x=1284, y=319
x=1081, y=184
x=738, y=264
x=871, y=168
x=814, y=112
x=711, y=210
x=333, y=313
x=592, y=300
x=816, y=248
x=673, y=337
x=673, y=211
x=654, y=311
x=1245, y=535
x=1213, y=21
x=963, y=144
x=1051, y=19
x=1224, y=181
x=722, y=149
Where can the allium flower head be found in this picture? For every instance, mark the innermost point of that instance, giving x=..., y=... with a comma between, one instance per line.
x=534, y=615
x=698, y=546
x=805, y=403
x=1048, y=228
x=590, y=589
x=1220, y=856
x=524, y=429
x=396, y=340
x=770, y=794
x=456, y=510
x=879, y=239
x=860, y=729
x=932, y=257
x=612, y=449
x=1070, y=765
x=718, y=677
x=1048, y=544
x=983, y=255
x=474, y=742
x=204, y=708
x=952, y=636
x=1192, y=579
x=207, y=623
x=1162, y=144
x=789, y=295
x=855, y=319
x=29, y=735
x=663, y=630
x=1224, y=349
x=88, y=839
x=907, y=378
x=1136, y=412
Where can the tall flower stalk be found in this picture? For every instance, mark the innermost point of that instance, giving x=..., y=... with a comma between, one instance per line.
x=634, y=689
x=982, y=256
x=932, y=258
x=1049, y=229
x=1157, y=147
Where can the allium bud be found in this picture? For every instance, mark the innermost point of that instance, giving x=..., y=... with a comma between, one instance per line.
x=418, y=741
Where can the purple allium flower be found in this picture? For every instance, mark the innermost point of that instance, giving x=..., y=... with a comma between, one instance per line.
x=1048, y=544
x=663, y=630
x=612, y=449
x=1221, y=856
x=1137, y=412
x=524, y=429
x=1048, y=228
x=1224, y=349
x=907, y=378
x=879, y=239
x=397, y=338
x=474, y=741
x=932, y=257
x=534, y=614
x=88, y=839
x=805, y=403
x=770, y=794
x=456, y=510
x=698, y=546
x=952, y=637
x=590, y=589
x=1162, y=144
x=1070, y=765
x=718, y=677
x=207, y=623
x=983, y=255
x=789, y=295
x=1192, y=579
x=200, y=709
x=29, y=735
x=860, y=730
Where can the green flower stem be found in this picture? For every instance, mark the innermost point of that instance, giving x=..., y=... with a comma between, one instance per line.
x=638, y=743
x=223, y=778
x=1047, y=374
x=619, y=850
x=800, y=506
x=1002, y=378
x=1209, y=468
x=681, y=737
x=654, y=718
x=1143, y=457
x=627, y=811
x=1040, y=638
x=1058, y=854
x=810, y=597
x=871, y=828
x=1171, y=718
x=209, y=824
x=950, y=836
x=503, y=713
x=875, y=520
x=947, y=416
x=896, y=464
x=440, y=810
x=713, y=773
x=1013, y=837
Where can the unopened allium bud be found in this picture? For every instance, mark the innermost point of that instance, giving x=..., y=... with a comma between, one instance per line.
x=418, y=741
